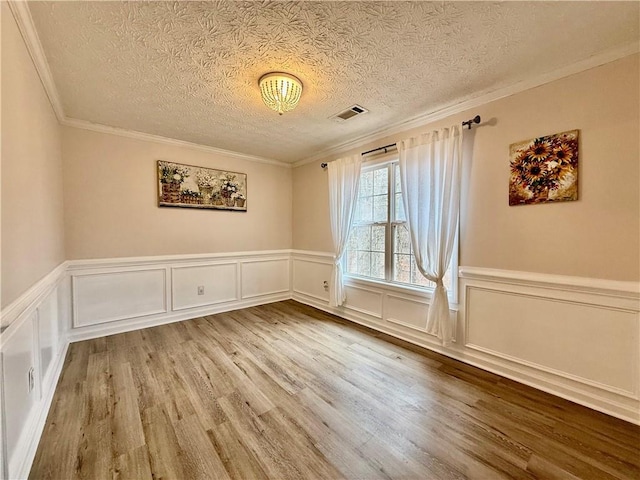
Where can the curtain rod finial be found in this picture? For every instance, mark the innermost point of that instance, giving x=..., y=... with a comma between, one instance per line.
x=468, y=123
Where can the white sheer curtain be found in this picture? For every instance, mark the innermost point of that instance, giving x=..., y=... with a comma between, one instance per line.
x=344, y=177
x=430, y=174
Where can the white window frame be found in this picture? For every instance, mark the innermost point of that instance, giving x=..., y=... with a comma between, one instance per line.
x=389, y=160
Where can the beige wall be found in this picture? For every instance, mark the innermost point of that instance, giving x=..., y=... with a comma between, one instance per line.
x=32, y=222
x=110, y=192
x=598, y=236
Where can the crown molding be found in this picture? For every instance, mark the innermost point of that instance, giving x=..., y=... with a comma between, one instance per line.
x=481, y=98
x=22, y=16
x=148, y=137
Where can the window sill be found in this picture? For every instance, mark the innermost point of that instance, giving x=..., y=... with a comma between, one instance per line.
x=422, y=293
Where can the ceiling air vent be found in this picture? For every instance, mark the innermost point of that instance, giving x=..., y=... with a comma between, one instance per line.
x=350, y=113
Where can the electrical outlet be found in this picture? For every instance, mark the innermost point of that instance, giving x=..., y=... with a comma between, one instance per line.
x=201, y=290
x=31, y=379
x=325, y=284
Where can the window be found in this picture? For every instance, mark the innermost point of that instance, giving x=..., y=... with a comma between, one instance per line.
x=379, y=246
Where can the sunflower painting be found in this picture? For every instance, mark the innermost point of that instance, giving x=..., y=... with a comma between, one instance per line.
x=544, y=169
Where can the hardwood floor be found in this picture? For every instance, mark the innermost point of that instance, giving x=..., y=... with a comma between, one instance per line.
x=284, y=391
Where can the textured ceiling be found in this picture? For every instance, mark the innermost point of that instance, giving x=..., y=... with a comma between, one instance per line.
x=189, y=70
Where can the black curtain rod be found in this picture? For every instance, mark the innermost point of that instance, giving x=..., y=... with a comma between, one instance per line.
x=379, y=148
x=468, y=123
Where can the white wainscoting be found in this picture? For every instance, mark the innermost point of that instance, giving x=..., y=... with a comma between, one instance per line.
x=34, y=338
x=117, y=295
x=556, y=335
x=392, y=309
x=265, y=276
x=219, y=281
x=109, y=295
x=84, y=299
x=574, y=337
x=407, y=311
x=311, y=272
x=577, y=338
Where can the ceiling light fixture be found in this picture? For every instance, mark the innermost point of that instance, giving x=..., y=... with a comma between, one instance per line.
x=280, y=91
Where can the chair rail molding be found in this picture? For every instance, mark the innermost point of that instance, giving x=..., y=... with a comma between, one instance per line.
x=29, y=300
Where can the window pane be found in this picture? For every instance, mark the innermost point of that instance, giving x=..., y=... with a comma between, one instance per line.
x=360, y=258
x=352, y=261
x=364, y=263
x=359, y=240
x=399, y=206
x=402, y=243
x=380, y=208
x=377, y=265
x=402, y=268
x=400, y=209
x=366, y=184
x=381, y=181
x=378, y=238
x=352, y=241
x=364, y=210
x=364, y=237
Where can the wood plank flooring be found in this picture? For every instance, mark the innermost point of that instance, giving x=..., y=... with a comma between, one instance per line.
x=284, y=391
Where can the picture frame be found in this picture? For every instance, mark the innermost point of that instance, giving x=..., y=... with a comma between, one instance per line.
x=544, y=169
x=190, y=186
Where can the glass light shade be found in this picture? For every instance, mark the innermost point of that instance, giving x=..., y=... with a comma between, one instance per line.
x=280, y=91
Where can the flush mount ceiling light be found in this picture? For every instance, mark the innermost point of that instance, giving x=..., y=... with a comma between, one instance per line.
x=280, y=91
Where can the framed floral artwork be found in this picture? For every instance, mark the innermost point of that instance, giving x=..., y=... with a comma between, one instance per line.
x=199, y=187
x=544, y=169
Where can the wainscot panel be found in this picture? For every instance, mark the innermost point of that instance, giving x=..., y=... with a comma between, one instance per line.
x=21, y=392
x=107, y=296
x=311, y=276
x=47, y=333
x=33, y=346
x=201, y=285
x=265, y=276
x=563, y=337
x=407, y=311
x=364, y=300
